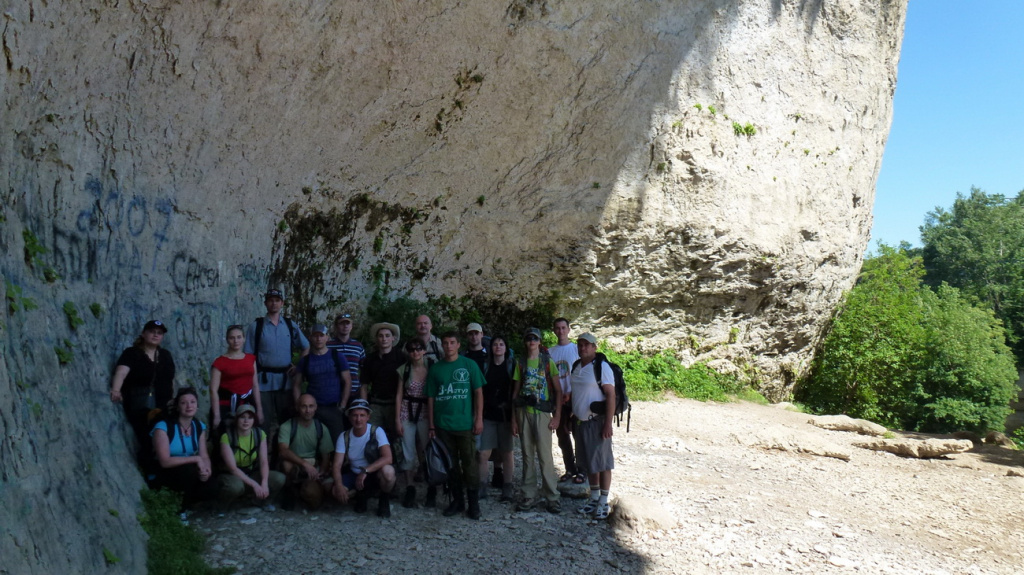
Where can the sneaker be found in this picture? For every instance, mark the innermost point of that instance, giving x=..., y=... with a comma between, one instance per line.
x=602, y=511
x=526, y=504
x=555, y=507
x=359, y=503
x=589, y=508
x=431, y=500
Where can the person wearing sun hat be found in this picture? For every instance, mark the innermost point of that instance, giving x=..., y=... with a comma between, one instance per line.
x=380, y=379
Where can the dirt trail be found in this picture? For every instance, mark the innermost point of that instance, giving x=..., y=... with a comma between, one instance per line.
x=738, y=509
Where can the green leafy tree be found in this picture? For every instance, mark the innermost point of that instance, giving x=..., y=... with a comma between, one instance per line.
x=867, y=362
x=977, y=246
x=969, y=377
x=909, y=357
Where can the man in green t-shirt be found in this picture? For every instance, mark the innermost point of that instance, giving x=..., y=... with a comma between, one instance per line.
x=455, y=411
x=538, y=397
x=306, y=456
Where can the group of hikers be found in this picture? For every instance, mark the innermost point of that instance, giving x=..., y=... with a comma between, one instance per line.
x=347, y=423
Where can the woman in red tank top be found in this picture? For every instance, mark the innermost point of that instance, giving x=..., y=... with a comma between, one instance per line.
x=233, y=380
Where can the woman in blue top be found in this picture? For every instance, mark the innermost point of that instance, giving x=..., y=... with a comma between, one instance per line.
x=179, y=443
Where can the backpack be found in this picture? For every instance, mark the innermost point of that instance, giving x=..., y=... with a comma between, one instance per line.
x=621, y=399
x=295, y=428
x=304, y=364
x=259, y=335
x=437, y=462
x=254, y=454
x=372, y=450
x=172, y=430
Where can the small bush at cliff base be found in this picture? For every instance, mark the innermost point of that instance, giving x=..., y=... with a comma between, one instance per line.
x=648, y=377
x=173, y=548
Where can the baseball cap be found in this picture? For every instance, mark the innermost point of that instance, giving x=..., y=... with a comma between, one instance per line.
x=245, y=408
x=589, y=337
x=319, y=328
x=343, y=317
x=474, y=327
x=274, y=293
x=155, y=324
x=531, y=331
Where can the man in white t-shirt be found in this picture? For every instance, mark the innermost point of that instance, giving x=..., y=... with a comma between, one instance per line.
x=564, y=355
x=363, y=475
x=594, y=432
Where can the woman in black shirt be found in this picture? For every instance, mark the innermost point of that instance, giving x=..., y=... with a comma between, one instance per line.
x=144, y=380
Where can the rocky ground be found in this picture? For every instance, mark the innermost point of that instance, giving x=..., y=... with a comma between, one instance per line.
x=710, y=497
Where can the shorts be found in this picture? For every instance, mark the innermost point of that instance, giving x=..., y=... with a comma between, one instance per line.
x=414, y=439
x=348, y=479
x=592, y=450
x=496, y=435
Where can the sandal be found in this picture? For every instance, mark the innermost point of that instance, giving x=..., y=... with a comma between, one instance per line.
x=602, y=512
x=579, y=479
x=565, y=477
x=589, y=508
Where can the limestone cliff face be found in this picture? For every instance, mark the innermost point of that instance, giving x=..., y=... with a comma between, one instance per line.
x=699, y=173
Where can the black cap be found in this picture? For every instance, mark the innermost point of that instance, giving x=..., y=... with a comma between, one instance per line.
x=155, y=324
x=274, y=293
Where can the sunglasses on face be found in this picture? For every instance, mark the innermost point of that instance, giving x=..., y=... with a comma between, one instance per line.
x=532, y=338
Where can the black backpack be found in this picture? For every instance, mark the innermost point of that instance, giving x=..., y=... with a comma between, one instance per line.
x=295, y=429
x=372, y=450
x=621, y=399
x=335, y=352
x=437, y=461
x=259, y=336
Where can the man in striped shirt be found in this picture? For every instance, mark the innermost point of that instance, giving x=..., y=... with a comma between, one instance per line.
x=350, y=348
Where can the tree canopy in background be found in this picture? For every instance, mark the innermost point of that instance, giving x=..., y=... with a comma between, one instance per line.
x=910, y=357
x=977, y=246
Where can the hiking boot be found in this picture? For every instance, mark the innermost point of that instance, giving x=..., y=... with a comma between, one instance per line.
x=384, y=505
x=498, y=477
x=508, y=493
x=474, y=505
x=458, y=505
x=482, y=492
x=431, y=500
x=359, y=502
x=526, y=504
x=554, y=507
x=410, y=498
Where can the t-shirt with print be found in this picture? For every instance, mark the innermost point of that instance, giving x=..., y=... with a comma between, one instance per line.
x=182, y=445
x=321, y=374
x=451, y=384
x=247, y=451
x=533, y=380
x=357, y=447
x=305, y=445
x=564, y=356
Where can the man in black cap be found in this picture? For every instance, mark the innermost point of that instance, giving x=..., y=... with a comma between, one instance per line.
x=272, y=339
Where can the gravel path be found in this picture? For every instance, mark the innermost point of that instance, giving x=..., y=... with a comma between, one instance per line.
x=737, y=509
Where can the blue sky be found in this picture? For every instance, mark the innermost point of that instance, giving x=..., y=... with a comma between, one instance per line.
x=958, y=117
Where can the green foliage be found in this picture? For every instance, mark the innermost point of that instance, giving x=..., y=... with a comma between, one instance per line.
x=109, y=557
x=908, y=357
x=114, y=512
x=33, y=247
x=698, y=106
x=734, y=334
x=173, y=548
x=16, y=301
x=648, y=377
x=596, y=185
x=74, y=320
x=1018, y=437
x=96, y=309
x=744, y=130
x=378, y=244
x=282, y=226
x=65, y=353
x=712, y=110
x=978, y=247
x=662, y=166
x=480, y=200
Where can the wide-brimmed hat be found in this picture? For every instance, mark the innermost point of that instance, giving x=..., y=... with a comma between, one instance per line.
x=359, y=404
x=379, y=326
